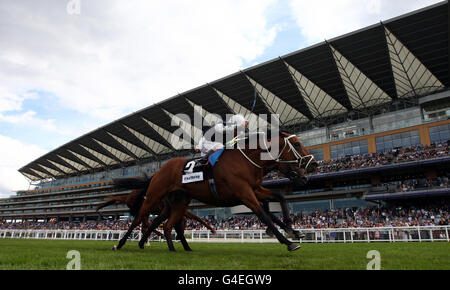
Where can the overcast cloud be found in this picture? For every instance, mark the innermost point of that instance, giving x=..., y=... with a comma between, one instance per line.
x=117, y=56
x=325, y=19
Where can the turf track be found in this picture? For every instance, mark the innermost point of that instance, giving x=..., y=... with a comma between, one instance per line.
x=51, y=254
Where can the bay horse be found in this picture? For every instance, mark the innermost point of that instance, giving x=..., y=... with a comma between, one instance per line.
x=134, y=201
x=238, y=176
x=132, y=198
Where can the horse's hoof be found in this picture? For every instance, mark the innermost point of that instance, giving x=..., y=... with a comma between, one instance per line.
x=293, y=247
x=299, y=235
x=141, y=246
x=115, y=248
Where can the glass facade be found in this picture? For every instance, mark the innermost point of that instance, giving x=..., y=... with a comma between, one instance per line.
x=307, y=207
x=390, y=142
x=385, y=122
x=136, y=170
x=317, y=153
x=440, y=134
x=351, y=148
x=313, y=137
x=217, y=213
x=397, y=120
x=344, y=203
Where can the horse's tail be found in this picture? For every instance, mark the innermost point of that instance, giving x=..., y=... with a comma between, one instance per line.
x=105, y=204
x=137, y=201
x=200, y=220
x=132, y=182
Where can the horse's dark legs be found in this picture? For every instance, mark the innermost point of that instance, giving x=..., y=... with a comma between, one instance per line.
x=250, y=200
x=287, y=224
x=176, y=218
x=122, y=241
x=180, y=234
x=286, y=218
x=266, y=219
x=266, y=208
x=155, y=223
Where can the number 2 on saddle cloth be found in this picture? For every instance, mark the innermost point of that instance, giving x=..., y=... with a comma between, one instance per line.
x=196, y=171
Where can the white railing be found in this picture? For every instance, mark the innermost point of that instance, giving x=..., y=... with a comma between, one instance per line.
x=345, y=235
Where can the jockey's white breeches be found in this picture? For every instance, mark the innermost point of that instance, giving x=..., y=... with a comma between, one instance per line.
x=205, y=146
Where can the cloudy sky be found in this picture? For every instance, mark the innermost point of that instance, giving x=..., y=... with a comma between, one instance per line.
x=70, y=66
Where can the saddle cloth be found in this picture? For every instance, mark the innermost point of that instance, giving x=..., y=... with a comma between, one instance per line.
x=196, y=171
x=193, y=171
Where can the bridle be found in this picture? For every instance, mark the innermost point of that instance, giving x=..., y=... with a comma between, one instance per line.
x=287, y=145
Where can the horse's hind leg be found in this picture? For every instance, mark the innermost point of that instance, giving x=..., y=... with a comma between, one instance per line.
x=145, y=226
x=155, y=223
x=179, y=228
x=122, y=241
x=168, y=236
x=175, y=220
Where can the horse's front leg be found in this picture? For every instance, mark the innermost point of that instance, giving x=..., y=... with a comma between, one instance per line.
x=248, y=197
x=265, y=194
x=294, y=234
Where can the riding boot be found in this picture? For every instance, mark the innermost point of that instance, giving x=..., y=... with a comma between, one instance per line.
x=204, y=158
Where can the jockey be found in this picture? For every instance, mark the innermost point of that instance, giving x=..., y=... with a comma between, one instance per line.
x=208, y=142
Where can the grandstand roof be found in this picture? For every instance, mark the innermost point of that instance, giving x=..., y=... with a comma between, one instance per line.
x=405, y=57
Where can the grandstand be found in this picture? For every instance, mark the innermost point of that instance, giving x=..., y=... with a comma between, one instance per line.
x=372, y=105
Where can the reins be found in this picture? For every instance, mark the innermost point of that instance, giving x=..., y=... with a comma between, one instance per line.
x=298, y=157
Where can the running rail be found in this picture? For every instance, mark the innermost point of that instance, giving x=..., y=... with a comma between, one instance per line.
x=343, y=235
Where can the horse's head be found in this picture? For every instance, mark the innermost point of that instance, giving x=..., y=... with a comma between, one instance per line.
x=294, y=160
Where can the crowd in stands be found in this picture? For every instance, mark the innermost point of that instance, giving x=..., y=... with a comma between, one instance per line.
x=396, y=216
x=66, y=225
x=414, y=184
x=424, y=215
x=400, y=216
x=397, y=155
x=394, y=156
x=431, y=214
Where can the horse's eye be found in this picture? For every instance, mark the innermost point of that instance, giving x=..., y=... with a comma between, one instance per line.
x=297, y=145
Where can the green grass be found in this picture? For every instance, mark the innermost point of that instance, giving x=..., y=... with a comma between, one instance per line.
x=51, y=254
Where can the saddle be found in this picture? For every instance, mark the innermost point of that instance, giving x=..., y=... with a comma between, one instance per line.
x=201, y=169
x=196, y=169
